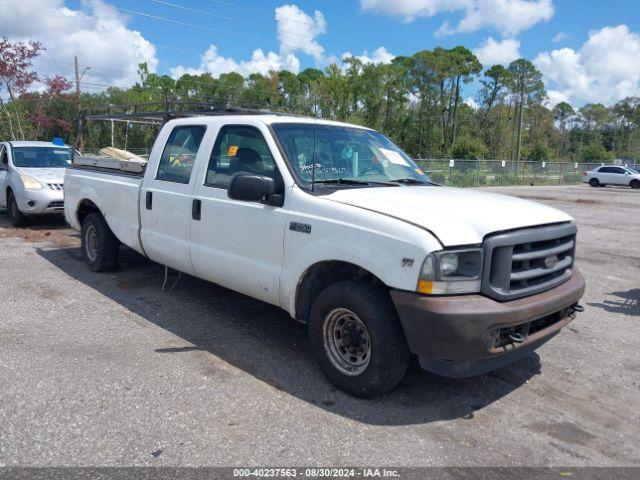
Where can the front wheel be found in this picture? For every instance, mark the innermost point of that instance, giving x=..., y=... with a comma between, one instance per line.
x=16, y=217
x=635, y=184
x=100, y=247
x=357, y=339
x=594, y=182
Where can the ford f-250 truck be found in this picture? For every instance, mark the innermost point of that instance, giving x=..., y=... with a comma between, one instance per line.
x=339, y=227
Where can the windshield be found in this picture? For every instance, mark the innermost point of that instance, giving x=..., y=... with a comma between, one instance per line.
x=633, y=170
x=41, y=157
x=350, y=155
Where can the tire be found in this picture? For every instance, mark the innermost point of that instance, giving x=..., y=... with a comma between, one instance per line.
x=594, y=182
x=635, y=184
x=16, y=217
x=355, y=304
x=100, y=247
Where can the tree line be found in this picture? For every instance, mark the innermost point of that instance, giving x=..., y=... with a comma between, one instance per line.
x=416, y=100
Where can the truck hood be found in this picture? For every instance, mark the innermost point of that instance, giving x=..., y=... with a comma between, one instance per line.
x=455, y=216
x=45, y=175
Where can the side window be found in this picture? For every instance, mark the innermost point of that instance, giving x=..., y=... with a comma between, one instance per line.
x=618, y=170
x=176, y=162
x=605, y=170
x=239, y=148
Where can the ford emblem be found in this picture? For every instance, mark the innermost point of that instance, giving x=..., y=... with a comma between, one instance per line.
x=551, y=261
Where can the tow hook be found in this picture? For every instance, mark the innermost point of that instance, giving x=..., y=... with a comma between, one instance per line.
x=577, y=308
x=515, y=337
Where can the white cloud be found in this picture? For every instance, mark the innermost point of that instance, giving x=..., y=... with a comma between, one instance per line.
x=559, y=37
x=509, y=17
x=379, y=55
x=297, y=31
x=472, y=102
x=493, y=52
x=605, y=69
x=215, y=64
x=97, y=34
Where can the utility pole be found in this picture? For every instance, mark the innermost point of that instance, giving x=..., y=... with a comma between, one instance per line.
x=519, y=137
x=79, y=143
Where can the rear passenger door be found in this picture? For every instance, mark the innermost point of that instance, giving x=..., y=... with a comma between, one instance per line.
x=165, y=201
x=238, y=244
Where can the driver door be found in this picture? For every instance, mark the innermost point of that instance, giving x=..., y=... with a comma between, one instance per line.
x=234, y=243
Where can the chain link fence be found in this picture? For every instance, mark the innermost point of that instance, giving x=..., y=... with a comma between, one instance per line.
x=473, y=173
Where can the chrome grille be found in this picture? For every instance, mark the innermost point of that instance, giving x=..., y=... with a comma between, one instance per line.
x=529, y=261
x=56, y=186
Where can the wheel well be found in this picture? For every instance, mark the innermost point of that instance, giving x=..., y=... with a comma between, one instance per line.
x=319, y=276
x=85, y=208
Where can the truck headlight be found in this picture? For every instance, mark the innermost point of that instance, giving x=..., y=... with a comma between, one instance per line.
x=30, y=183
x=451, y=272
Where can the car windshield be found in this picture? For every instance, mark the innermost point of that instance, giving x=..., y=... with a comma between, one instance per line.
x=633, y=170
x=345, y=156
x=41, y=157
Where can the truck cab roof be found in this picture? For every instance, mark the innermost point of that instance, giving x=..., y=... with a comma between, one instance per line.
x=267, y=119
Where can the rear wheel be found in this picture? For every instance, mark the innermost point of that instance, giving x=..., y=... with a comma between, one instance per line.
x=635, y=184
x=357, y=339
x=100, y=247
x=17, y=218
x=594, y=182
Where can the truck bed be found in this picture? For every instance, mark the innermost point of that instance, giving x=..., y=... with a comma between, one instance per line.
x=115, y=192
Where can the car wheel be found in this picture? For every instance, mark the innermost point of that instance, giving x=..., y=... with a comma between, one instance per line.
x=100, y=247
x=357, y=339
x=594, y=182
x=635, y=184
x=16, y=217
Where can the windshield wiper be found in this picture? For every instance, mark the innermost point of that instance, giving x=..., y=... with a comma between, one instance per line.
x=413, y=181
x=349, y=181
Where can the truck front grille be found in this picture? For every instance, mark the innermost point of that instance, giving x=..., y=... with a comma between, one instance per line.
x=528, y=261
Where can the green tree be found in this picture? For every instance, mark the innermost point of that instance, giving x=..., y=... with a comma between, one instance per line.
x=525, y=81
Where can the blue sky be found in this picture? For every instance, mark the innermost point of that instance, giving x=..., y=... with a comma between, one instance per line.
x=587, y=50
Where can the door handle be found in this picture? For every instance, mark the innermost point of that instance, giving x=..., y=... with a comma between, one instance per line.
x=196, y=209
x=149, y=200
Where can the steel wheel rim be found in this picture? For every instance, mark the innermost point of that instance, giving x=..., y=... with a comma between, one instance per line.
x=346, y=342
x=91, y=242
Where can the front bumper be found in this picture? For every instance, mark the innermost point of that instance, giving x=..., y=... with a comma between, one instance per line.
x=465, y=335
x=45, y=201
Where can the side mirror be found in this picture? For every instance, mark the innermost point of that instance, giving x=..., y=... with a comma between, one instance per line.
x=251, y=188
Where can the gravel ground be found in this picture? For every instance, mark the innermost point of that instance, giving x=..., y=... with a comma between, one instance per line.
x=106, y=369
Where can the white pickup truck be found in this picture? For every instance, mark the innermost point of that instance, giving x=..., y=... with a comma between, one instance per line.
x=336, y=225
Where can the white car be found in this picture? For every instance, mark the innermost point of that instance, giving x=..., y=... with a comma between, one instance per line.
x=612, y=175
x=32, y=179
x=339, y=227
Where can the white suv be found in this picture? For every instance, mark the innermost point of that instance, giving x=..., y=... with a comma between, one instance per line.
x=612, y=175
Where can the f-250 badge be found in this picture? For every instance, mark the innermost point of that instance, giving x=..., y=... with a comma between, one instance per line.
x=407, y=262
x=300, y=227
